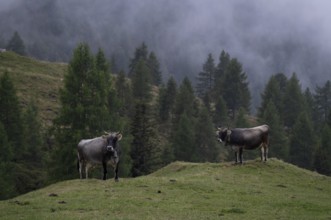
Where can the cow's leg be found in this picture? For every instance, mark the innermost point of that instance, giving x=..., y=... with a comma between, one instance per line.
x=87, y=166
x=262, y=153
x=266, y=152
x=80, y=169
x=236, y=156
x=241, y=155
x=104, y=165
x=116, y=171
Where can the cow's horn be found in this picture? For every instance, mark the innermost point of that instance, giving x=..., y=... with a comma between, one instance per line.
x=119, y=136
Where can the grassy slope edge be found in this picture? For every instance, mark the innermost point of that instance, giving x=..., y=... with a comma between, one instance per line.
x=272, y=190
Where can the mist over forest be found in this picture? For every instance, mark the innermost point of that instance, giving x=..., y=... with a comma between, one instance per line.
x=267, y=37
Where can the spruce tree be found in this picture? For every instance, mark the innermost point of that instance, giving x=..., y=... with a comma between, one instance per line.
x=322, y=162
x=16, y=44
x=185, y=100
x=83, y=113
x=10, y=115
x=235, y=88
x=206, y=147
x=221, y=67
x=144, y=152
x=141, y=82
x=183, y=138
x=167, y=99
x=206, y=78
x=293, y=102
x=302, y=142
x=7, y=182
x=221, y=113
x=322, y=102
x=278, y=141
x=154, y=66
x=141, y=53
x=272, y=93
x=124, y=95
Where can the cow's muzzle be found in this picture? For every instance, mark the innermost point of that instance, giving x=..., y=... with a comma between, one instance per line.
x=112, y=150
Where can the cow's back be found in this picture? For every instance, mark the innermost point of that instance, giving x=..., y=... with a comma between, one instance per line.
x=250, y=137
x=92, y=149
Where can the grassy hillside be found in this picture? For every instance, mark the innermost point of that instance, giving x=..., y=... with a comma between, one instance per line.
x=272, y=190
x=35, y=80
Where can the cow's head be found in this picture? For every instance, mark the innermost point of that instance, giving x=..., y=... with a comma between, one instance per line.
x=112, y=142
x=223, y=135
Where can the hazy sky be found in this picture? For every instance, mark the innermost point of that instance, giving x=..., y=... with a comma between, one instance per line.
x=266, y=36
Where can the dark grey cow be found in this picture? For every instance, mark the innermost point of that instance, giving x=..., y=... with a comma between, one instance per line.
x=100, y=150
x=246, y=138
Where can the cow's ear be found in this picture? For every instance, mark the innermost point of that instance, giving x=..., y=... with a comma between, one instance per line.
x=119, y=136
x=228, y=132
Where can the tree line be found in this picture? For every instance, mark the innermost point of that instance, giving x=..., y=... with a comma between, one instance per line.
x=161, y=121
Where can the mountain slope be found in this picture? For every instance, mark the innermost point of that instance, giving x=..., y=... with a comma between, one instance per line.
x=35, y=80
x=272, y=190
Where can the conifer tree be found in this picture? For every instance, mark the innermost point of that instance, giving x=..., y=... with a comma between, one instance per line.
x=167, y=99
x=322, y=103
x=84, y=112
x=141, y=82
x=221, y=113
x=145, y=154
x=206, y=78
x=322, y=162
x=278, y=141
x=16, y=44
x=183, y=141
x=235, y=88
x=206, y=147
x=221, y=67
x=141, y=53
x=7, y=183
x=302, y=142
x=293, y=102
x=154, y=66
x=124, y=95
x=272, y=93
x=10, y=115
x=185, y=100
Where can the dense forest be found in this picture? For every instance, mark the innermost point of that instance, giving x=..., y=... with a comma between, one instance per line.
x=161, y=120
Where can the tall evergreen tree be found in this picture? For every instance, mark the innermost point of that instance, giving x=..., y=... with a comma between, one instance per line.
x=10, y=115
x=29, y=170
x=83, y=113
x=221, y=113
x=185, y=100
x=124, y=95
x=141, y=82
x=322, y=105
x=145, y=154
x=206, y=147
x=141, y=53
x=302, y=142
x=322, y=162
x=16, y=44
x=293, y=102
x=183, y=141
x=206, y=78
x=236, y=93
x=272, y=93
x=7, y=183
x=167, y=99
x=221, y=67
x=278, y=141
x=154, y=66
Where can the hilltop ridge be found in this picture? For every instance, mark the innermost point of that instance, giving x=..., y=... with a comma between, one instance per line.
x=272, y=190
